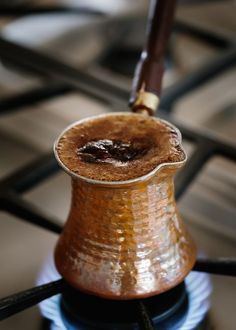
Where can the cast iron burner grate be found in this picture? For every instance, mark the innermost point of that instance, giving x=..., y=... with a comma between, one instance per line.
x=69, y=78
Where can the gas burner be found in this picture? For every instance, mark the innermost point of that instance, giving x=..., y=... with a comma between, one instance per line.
x=184, y=307
x=83, y=311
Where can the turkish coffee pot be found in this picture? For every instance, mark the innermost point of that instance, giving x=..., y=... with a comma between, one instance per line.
x=126, y=240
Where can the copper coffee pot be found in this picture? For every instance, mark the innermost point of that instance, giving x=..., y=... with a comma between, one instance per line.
x=126, y=240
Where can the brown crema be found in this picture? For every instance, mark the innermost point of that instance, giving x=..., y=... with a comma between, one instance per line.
x=118, y=147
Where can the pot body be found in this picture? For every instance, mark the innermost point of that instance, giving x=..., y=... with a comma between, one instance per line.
x=125, y=241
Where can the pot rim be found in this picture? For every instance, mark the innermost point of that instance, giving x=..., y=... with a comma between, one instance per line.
x=140, y=179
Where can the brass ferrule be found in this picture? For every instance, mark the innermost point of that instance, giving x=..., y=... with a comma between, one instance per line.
x=146, y=102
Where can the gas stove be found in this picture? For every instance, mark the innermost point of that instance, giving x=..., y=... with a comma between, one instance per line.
x=91, y=78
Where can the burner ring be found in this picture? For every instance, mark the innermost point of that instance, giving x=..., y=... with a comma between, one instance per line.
x=87, y=311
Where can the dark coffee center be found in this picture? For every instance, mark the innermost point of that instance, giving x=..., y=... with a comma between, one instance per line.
x=104, y=151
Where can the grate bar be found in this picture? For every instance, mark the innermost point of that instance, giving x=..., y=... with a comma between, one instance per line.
x=219, y=266
x=16, y=102
x=220, y=146
x=31, y=174
x=90, y=85
x=26, y=211
x=144, y=320
x=20, y=301
x=192, y=168
x=103, y=90
x=203, y=137
x=27, y=10
x=205, y=35
x=196, y=79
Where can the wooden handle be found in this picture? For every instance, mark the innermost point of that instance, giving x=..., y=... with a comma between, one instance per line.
x=150, y=68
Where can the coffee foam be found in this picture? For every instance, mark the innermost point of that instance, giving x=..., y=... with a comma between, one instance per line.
x=118, y=147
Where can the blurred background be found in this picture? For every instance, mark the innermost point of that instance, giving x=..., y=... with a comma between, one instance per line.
x=102, y=40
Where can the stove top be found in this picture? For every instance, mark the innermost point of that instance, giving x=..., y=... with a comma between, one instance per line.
x=40, y=80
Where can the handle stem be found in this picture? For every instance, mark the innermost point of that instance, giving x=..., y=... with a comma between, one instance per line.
x=150, y=68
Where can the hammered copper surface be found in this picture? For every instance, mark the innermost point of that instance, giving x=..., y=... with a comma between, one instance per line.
x=124, y=242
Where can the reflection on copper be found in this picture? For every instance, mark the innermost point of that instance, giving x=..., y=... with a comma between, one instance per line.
x=125, y=240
